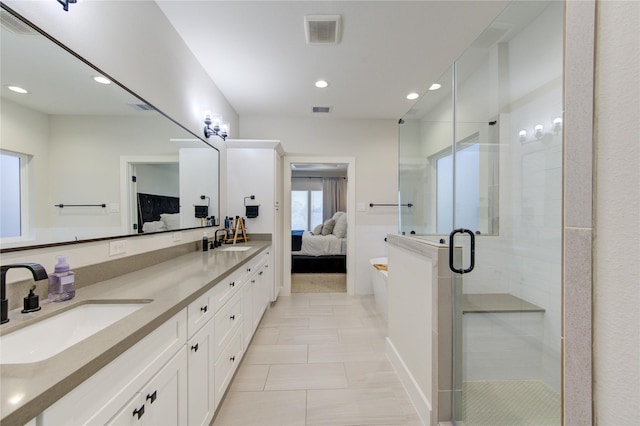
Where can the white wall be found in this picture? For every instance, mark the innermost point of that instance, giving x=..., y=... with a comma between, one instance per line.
x=374, y=145
x=616, y=249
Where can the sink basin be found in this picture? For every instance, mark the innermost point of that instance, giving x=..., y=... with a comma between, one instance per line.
x=236, y=248
x=54, y=334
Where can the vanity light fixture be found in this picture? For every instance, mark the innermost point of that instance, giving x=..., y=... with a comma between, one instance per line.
x=17, y=89
x=102, y=80
x=557, y=125
x=219, y=129
x=413, y=95
x=65, y=4
x=321, y=84
x=435, y=86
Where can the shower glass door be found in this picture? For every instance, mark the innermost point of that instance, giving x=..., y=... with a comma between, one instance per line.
x=507, y=181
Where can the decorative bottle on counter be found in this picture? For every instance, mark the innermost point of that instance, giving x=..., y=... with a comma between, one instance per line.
x=62, y=284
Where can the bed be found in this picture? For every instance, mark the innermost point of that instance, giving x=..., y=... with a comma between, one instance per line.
x=322, y=250
x=158, y=213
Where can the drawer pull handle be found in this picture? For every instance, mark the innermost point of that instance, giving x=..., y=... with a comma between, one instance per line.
x=194, y=348
x=232, y=359
x=152, y=397
x=253, y=281
x=232, y=284
x=232, y=317
x=204, y=309
x=248, y=269
x=139, y=412
x=261, y=272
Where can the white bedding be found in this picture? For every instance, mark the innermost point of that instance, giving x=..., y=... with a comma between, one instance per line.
x=321, y=245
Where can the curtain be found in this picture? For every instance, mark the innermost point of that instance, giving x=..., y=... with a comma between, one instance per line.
x=334, y=196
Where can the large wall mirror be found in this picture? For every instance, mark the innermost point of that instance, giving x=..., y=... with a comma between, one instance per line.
x=83, y=160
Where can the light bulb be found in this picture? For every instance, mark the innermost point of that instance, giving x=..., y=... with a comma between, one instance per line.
x=538, y=131
x=523, y=135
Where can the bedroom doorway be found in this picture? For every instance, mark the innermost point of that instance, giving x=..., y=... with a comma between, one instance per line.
x=156, y=177
x=318, y=255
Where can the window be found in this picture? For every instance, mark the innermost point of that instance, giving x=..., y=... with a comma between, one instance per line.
x=12, y=186
x=306, y=209
x=467, y=189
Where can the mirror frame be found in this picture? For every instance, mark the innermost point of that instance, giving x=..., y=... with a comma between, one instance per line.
x=37, y=29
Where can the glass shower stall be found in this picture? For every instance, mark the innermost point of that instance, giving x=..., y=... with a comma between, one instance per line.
x=481, y=167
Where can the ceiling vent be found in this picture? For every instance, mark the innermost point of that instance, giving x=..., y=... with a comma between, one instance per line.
x=322, y=29
x=14, y=25
x=321, y=109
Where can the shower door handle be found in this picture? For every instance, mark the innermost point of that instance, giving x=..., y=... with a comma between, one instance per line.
x=472, y=247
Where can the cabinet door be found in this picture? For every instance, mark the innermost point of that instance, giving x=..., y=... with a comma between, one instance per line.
x=201, y=384
x=247, y=310
x=131, y=414
x=257, y=300
x=162, y=401
x=165, y=396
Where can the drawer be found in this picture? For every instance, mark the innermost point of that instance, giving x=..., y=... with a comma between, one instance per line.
x=225, y=289
x=199, y=312
x=227, y=320
x=227, y=363
x=246, y=270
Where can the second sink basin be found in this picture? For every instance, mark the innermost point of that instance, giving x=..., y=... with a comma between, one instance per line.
x=236, y=248
x=52, y=335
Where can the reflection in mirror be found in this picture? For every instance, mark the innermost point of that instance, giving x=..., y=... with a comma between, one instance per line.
x=82, y=159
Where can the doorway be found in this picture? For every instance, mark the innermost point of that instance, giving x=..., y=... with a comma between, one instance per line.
x=318, y=265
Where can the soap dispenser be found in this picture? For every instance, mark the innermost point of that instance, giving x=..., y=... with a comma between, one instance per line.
x=61, y=282
x=31, y=302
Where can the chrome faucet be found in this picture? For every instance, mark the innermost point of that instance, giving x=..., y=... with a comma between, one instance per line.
x=39, y=273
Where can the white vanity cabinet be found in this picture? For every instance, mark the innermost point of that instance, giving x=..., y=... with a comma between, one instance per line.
x=157, y=363
x=178, y=373
x=257, y=170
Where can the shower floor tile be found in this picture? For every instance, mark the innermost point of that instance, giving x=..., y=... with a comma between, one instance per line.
x=508, y=403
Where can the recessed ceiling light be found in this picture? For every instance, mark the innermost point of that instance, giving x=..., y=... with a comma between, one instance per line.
x=102, y=80
x=435, y=86
x=412, y=96
x=321, y=84
x=17, y=89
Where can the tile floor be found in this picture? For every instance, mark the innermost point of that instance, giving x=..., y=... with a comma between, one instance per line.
x=317, y=359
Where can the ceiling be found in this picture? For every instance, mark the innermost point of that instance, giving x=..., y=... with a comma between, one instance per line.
x=256, y=52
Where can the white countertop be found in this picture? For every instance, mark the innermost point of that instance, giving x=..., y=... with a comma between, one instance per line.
x=28, y=389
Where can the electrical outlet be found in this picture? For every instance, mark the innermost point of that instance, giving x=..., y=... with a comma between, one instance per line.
x=117, y=247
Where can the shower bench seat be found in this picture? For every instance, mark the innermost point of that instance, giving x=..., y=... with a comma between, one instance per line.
x=495, y=303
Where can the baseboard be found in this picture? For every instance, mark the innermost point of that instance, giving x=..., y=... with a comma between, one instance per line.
x=419, y=400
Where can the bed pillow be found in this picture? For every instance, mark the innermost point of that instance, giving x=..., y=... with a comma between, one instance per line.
x=340, y=230
x=327, y=226
x=154, y=226
x=317, y=230
x=172, y=221
x=337, y=215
